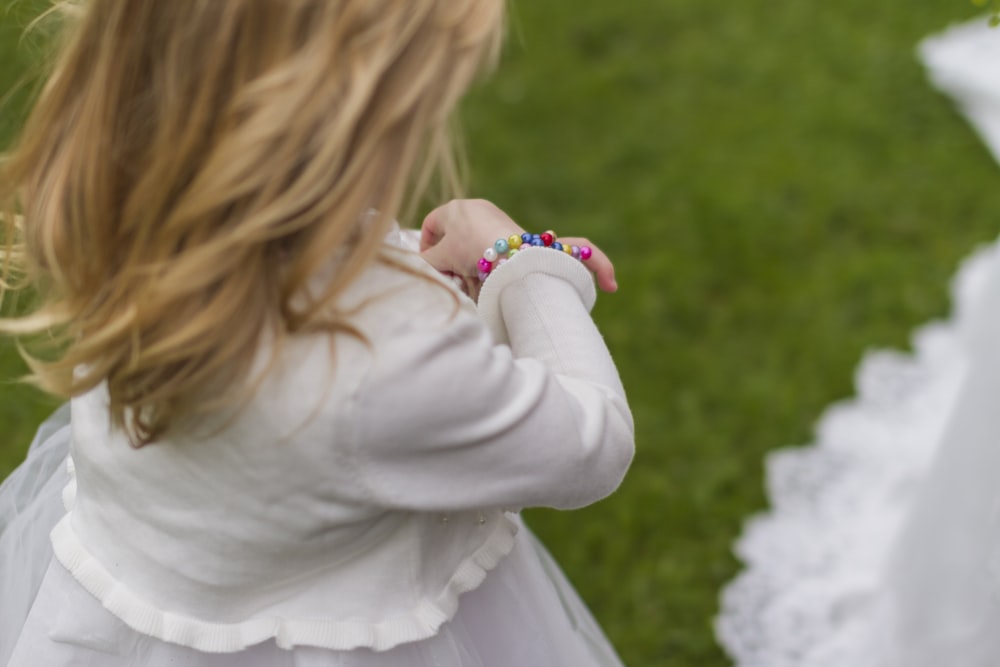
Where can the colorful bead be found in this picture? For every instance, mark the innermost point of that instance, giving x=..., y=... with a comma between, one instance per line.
x=503, y=249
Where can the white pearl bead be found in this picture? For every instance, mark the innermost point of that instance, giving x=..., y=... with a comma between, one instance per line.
x=490, y=254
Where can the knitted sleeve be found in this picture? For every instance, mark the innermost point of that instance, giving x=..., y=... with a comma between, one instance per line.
x=452, y=420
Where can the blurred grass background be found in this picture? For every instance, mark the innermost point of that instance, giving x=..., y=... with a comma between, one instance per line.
x=781, y=190
x=21, y=407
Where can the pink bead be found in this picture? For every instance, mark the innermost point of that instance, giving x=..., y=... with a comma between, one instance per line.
x=483, y=276
x=485, y=265
x=586, y=253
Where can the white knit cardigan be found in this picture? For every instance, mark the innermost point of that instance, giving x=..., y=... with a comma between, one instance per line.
x=365, y=487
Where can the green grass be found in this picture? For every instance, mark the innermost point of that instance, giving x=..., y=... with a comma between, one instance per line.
x=781, y=190
x=21, y=408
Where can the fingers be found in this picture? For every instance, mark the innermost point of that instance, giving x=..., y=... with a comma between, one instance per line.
x=430, y=230
x=599, y=263
x=437, y=255
x=437, y=237
x=454, y=236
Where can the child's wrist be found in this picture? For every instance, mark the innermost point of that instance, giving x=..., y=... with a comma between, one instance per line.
x=505, y=248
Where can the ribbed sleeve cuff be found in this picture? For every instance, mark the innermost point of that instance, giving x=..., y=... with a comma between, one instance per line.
x=519, y=268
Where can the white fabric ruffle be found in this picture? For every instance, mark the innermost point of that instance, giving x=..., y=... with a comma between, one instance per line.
x=423, y=621
x=812, y=591
x=882, y=547
x=963, y=63
x=524, y=612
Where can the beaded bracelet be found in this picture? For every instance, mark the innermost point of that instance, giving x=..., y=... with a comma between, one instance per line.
x=506, y=248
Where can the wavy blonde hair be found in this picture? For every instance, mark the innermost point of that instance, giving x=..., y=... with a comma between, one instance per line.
x=191, y=164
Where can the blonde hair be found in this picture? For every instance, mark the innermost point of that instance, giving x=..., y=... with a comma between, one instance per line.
x=191, y=164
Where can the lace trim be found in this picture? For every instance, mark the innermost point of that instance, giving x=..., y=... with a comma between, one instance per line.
x=421, y=622
x=810, y=592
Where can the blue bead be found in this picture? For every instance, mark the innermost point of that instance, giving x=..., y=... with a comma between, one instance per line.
x=536, y=236
x=537, y=243
x=556, y=245
x=526, y=237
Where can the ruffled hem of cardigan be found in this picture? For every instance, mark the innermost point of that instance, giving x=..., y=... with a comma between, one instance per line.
x=422, y=622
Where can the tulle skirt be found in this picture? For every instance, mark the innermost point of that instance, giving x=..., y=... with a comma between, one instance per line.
x=525, y=613
x=882, y=547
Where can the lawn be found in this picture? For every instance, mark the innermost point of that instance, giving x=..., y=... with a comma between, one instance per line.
x=781, y=189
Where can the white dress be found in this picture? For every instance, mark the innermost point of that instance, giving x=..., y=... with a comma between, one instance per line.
x=523, y=613
x=882, y=547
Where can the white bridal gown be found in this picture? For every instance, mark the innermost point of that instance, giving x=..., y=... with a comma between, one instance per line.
x=882, y=547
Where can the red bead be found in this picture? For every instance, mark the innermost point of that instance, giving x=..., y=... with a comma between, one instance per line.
x=548, y=239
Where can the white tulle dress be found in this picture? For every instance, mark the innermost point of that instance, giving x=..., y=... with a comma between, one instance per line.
x=61, y=624
x=882, y=547
x=66, y=626
x=523, y=613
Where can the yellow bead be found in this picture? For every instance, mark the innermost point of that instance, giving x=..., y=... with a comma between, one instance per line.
x=514, y=241
x=568, y=249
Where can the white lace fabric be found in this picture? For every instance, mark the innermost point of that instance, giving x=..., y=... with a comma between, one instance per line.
x=882, y=544
x=811, y=590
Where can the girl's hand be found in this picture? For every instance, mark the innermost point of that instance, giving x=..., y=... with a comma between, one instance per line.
x=454, y=236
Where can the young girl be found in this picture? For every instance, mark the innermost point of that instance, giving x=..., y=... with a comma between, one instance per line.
x=883, y=547
x=291, y=439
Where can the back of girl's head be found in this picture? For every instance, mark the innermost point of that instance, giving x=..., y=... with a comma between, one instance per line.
x=190, y=164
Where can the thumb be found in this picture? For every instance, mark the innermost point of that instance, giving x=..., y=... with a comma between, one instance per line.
x=431, y=231
x=438, y=256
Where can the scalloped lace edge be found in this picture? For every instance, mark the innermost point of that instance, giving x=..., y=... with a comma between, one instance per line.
x=810, y=591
